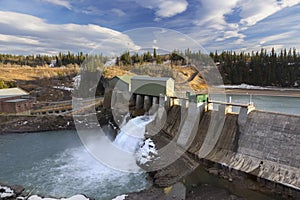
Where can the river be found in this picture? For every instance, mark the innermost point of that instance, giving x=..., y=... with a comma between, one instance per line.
x=56, y=164
x=281, y=104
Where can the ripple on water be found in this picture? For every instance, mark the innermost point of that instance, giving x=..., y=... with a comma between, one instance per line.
x=68, y=172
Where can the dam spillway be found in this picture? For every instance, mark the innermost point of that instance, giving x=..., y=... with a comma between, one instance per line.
x=261, y=144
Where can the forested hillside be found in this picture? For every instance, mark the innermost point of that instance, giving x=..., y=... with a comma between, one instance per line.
x=260, y=68
x=41, y=60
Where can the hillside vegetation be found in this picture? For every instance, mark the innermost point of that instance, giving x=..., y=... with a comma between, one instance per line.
x=26, y=73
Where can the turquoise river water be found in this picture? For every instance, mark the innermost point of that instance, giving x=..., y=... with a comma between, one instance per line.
x=56, y=163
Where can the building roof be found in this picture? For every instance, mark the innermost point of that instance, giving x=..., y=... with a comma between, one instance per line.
x=125, y=78
x=11, y=92
x=148, y=78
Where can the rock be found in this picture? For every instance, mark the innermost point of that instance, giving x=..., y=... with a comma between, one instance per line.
x=213, y=171
x=18, y=189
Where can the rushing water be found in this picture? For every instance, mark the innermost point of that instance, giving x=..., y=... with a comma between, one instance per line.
x=56, y=164
x=132, y=133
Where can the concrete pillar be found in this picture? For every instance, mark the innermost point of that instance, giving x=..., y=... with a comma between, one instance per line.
x=131, y=101
x=147, y=103
x=183, y=103
x=161, y=101
x=250, y=108
x=168, y=103
x=171, y=102
x=209, y=106
x=150, y=101
x=176, y=102
x=154, y=100
x=154, y=106
x=228, y=109
x=138, y=102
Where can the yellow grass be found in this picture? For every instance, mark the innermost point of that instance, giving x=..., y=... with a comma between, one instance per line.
x=26, y=73
x=180, y=74
x=112, y=71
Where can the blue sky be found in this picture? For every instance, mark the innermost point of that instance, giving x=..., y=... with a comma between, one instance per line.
x=50, y=26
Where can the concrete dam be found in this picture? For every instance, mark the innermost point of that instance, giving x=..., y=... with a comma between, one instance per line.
x=261, y=144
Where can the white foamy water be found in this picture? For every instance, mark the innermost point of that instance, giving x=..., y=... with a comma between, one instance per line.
x=132, y=134
x=55, y=164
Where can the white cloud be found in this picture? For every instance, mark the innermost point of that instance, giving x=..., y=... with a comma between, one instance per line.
x=211, y=22
x=280, y=30
x=230, y=34
x=63, y=3
x=10, y=39
x=118, y=12
x=165, y=8
x=214, y=11
x=212, y=28
x=273, y=39
x=26, y=34
x=256, y=10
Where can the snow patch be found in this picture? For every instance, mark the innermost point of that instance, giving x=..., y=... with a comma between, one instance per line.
x=243, y=86
x=6, y=192
x=63, y=88
x=76, y=197
x=253, y=87
x=77, y=80
x=146, y=153
x=121, y=197
x=110, y=62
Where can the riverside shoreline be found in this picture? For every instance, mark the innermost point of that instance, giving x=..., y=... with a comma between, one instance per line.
x=269, y=92
x=42, y=123
x=202, y=189
x=31, y=124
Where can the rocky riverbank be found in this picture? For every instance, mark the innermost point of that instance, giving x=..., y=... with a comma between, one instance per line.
x=178, y=192
x=40, y=123
x=25, y=124
x=18, y=193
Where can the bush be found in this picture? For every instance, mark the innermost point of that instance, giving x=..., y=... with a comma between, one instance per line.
x=3, y=85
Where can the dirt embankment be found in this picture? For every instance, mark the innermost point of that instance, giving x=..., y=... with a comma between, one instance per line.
x=27, y=124
x=23, y=124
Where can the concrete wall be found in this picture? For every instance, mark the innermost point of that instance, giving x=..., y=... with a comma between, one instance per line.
x=270, y=136
x=263, y=144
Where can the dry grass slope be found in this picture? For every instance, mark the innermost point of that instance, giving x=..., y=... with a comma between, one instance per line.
x=186, y=78
x=26, y=73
